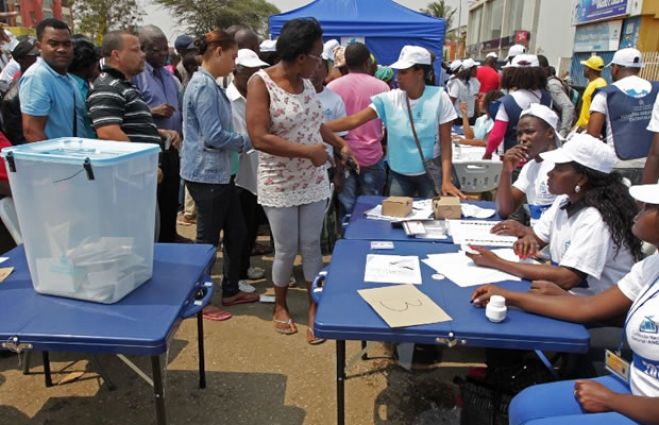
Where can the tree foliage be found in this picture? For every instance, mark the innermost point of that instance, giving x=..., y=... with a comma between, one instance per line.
x=439, y=9
x=200, y=16
x=96, y=17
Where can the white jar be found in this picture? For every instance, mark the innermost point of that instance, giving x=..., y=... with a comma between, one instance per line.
x=496, y=309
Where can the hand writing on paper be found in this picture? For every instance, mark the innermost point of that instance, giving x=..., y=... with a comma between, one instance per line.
x=593, y=396
x=483, y=257
x=481, y=296
x=526, y=246
x=509, y=228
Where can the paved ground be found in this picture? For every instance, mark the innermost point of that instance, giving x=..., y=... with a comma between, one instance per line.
x=255, y=376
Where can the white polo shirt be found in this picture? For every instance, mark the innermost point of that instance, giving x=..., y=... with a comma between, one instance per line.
x=582, y=241
x=532, y=180
x=641, y=286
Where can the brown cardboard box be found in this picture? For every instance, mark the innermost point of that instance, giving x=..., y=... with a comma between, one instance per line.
x=397, y=206
x=446, y=207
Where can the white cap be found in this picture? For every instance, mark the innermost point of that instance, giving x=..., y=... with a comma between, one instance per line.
x=249, y=59
x=515, y=49
x=410, y=56
x=544, y=113
x=268, y=46
x=492, y=55
x=648, y=193
x=523, y=61
x=586, y=150
x=328, y=49
x=469, y=63
x=455, y=65
x=629, y=57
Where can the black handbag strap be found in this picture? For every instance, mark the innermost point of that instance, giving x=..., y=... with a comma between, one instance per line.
x=418, y=146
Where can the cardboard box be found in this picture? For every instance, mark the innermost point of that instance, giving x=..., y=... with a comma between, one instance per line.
x=446, y=207
x=397, y=206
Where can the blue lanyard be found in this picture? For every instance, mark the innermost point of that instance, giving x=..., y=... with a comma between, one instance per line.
x=623, y=338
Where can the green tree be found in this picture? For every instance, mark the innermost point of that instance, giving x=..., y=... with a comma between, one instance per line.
x=439, y=9
x=96, y=17
x=202, y=15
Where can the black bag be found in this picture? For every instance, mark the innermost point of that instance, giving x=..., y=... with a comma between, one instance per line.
x=433, y=169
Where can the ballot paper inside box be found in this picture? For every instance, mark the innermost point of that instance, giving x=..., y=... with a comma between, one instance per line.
x=86, y=210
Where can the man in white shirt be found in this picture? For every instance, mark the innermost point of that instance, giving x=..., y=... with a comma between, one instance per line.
x=621, y=113
x=247, y=63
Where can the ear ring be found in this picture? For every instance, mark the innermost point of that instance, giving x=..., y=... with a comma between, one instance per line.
x=577, y=188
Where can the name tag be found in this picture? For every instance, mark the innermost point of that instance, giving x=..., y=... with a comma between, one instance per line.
x=616, y=365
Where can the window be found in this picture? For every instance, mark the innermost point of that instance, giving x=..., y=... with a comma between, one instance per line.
x=475, y=26
x=496, y=19
x=515, y=15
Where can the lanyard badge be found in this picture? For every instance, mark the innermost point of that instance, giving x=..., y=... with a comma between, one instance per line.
x=618, y=366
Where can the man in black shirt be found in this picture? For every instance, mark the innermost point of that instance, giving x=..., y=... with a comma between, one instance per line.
x=116, y=106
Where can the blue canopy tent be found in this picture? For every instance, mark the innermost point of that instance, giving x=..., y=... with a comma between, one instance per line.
x=385, y=25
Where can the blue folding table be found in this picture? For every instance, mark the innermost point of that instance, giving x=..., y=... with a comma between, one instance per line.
x=344, y=315
x=142, y=323
x=361, y=228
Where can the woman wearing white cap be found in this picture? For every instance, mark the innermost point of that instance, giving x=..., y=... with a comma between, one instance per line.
x=411, y=143
x=536, y=133
x=464, y=89
x=630, y=398
x=526, y=83
x=587, y=229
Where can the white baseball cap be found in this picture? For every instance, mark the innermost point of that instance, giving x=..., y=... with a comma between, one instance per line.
x=629, y=57
x=455, y=65
x=648, y=193
x=328, y=49
x=249, y=59
x=469, y=63
x=492, y=55
x=544, y=113
x=515, y=49
x=410, y=56
x=268, y=46
x=523, y=61
x=585, y=150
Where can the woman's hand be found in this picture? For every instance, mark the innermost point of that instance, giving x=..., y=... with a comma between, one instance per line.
x=348, y=154
x=545, y=287
x=483, y=257
x=487, y=156
x=593, y=396
x=526, y=246
x=464, y=109
x=317, y=154
x=482, y=294
x=514, y=156
x=510, y=228
x=449, y=189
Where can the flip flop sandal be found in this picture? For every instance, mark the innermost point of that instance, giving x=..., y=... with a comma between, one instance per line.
x=245, y=298
x=288, y=329
x=216, y=314
x=312, y=340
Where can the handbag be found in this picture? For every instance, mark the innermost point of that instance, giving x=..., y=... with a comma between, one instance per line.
x=432, y=169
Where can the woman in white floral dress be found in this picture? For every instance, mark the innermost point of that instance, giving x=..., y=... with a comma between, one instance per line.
x=284, y=120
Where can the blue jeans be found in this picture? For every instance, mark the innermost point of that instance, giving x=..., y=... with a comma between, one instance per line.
x=415, y=186
x=554, y=404
x=369, y=181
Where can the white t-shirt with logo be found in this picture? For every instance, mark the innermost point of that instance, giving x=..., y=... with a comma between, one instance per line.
x=583, y=242
x=633, y=86
x=653, y=126
x=532, y=180
x=463, y=92
x=641, y=286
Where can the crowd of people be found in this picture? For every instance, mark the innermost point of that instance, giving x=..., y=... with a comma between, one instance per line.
x=284, y=128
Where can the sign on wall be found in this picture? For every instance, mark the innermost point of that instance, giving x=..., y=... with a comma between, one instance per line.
x=596, y=10
x=599, y=37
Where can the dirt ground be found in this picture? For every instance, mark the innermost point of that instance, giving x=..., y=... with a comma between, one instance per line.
x=254, y=376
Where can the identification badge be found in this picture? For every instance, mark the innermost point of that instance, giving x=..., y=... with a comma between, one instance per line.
x=616, y=365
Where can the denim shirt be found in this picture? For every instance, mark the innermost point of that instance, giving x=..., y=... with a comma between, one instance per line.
x=208, y=135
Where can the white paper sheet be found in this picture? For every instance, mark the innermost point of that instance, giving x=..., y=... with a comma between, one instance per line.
x=392, y=269
x=471, y=210
x=460, y=269
x=421, y=210
x=477, y=232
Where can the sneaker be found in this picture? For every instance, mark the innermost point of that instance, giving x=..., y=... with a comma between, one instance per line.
x=246, y=287
x=255, y=273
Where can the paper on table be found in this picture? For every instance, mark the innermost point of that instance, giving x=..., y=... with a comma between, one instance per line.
x=3, y=259
x=471, y=210
x=5, y=272
x=476, y=232
x=392, y=269
x=403, y=305
x=421, y=210
x=462, y=271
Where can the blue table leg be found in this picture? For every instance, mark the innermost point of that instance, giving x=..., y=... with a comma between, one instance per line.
x=340, y=381
x=46, y=369
x=158, y=391
x=200, y=350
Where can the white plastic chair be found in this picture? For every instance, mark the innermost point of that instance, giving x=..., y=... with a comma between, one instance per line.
x=10, y=219
x=478, y=176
